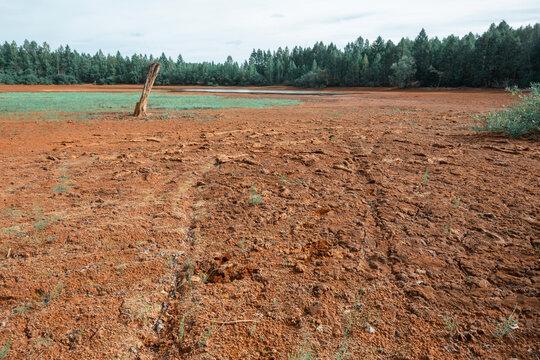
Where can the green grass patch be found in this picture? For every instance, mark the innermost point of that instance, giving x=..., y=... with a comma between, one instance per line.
x=13, y=230
x=57, y=105
x=41, y=221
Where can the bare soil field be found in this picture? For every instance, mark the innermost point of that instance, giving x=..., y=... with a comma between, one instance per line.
x=374, y=225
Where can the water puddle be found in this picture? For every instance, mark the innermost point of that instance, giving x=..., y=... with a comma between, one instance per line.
x=269, y=91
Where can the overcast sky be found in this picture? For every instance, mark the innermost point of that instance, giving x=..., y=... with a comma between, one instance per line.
x=212, y=29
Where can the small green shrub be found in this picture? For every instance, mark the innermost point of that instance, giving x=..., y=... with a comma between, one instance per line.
x=313, y=79
x=520, y=119
x=506, y=326
x=41, y=221
x=303, y=353
x=49, y=295
x=206, y=337
x=254, y=197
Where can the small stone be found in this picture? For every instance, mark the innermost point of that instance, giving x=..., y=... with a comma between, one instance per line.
x=159, y=327
x=451, y=349
x=370, y=329
x=343, y=168
x=319, y=290
x=285, y=192
x=299, y=268
x=315, y=309
x=222, y=159
x=483, y=283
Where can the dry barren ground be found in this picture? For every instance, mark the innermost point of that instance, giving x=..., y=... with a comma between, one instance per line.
x=375, y=225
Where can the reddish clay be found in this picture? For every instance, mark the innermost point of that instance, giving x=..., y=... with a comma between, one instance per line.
x=361, y=224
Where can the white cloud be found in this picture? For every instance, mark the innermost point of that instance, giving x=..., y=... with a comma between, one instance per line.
x=210, y=30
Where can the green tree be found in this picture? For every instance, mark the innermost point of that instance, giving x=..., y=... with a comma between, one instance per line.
x=403, y=72
x=422, y=58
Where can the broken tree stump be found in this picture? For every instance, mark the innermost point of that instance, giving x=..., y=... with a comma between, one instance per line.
x=140, y=108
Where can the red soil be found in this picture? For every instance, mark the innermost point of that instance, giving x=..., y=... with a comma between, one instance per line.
x=381, y=215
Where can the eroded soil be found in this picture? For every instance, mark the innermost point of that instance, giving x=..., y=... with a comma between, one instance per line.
x=374, y=225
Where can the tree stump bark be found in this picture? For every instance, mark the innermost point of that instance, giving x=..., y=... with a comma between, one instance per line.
x=140, y=108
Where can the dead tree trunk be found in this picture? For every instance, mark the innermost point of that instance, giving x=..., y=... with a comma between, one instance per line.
x=140, y=108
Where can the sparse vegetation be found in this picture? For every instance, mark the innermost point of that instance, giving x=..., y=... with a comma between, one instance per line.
x=506, y=326
x=208, y=334
x=253, y=329
x=190, y=270
x=5, y=349
x=242, y=244
x=303, y=353
x=181, y=331
x=361, y=316
x=520, y=119
x=21, y=309
x=171, y=261
x=16, y=213
x=343, y=351
x=254, y=197
x=49, y=295
x=447, y=229
x=65, y=183
x=451, y=325
x=41, y=221
x=14, y=230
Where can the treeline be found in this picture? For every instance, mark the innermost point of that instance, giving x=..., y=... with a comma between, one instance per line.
x=499, y=57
